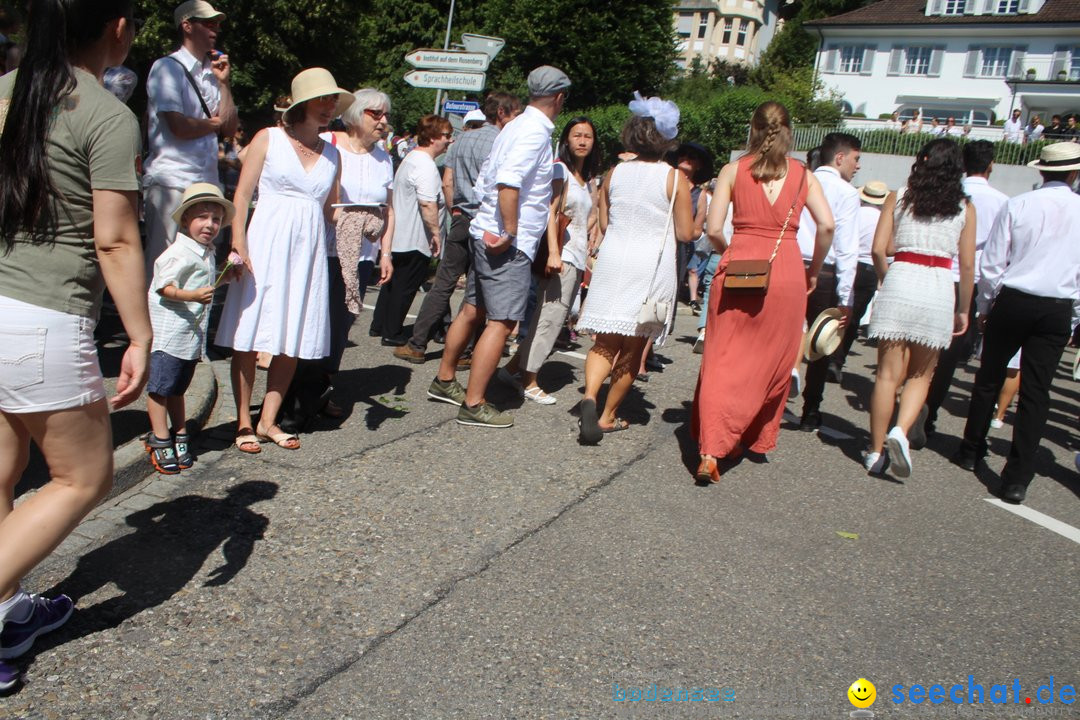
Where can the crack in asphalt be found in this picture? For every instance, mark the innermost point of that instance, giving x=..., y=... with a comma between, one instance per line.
x=284, y=705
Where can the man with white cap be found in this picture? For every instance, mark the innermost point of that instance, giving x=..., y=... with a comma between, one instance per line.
x=514, y=192
x=189, y=105
x=1029, y=295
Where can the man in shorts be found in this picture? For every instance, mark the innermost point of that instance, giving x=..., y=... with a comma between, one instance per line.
x=514, y=190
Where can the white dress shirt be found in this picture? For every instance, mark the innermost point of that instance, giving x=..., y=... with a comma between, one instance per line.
x=520, y=158
x=844, y=202
x=173, y=162
x=868, y=220
x=1014, y=131
x=1033, y=247
x=988, y=202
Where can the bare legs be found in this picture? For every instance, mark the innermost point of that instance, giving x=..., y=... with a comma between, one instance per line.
x=485, y=358
x=163, y=410
x=1008, y=392
x=457, y=339
x=620, y=357
x=77, y=444
x=280, y=374
x=899, y=363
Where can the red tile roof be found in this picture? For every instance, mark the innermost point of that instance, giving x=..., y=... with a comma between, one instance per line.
x=913, y=12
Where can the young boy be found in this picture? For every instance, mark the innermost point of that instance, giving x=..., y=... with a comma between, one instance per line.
x=179, y=299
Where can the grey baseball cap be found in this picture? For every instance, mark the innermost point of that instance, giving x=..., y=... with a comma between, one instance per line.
x=546, y=80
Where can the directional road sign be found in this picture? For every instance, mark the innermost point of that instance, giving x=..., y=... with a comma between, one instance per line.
x=449, y=60
x=460, y=107
x=482, y=43
x=445, y=80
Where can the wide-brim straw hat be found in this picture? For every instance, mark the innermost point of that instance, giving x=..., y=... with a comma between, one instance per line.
x=315, y=83
x=824, y=335
x=874, y=192
x=1058, y=157
x=200, y=193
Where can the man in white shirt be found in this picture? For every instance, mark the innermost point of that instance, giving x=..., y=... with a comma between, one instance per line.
x=835, y=287
x=189, y=105
x=1014, y=129
x=872, y=195
x=514, y=191
x=1029, y=292
x=988, y=202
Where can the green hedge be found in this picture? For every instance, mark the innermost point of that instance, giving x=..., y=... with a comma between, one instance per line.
x=891, y=142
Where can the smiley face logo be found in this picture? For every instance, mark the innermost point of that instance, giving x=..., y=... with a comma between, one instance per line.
x=862, y=693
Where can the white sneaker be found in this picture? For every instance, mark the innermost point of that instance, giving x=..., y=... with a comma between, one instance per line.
x=699, y=344
x=997, y=424
x=899, y=452
x=538, y=396
x=795, y=389
x=875, y=462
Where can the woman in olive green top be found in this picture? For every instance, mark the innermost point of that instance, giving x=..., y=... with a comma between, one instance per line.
x=67, y=230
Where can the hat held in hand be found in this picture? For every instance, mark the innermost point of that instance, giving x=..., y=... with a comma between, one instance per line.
x=824, y=335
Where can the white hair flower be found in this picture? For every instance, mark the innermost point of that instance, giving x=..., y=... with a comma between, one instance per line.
x=664, y=114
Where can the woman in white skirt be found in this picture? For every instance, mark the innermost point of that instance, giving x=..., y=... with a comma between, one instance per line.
x=644, y=208
x=917, y=310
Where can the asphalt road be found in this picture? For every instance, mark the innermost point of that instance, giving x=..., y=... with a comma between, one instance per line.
x=402, y=566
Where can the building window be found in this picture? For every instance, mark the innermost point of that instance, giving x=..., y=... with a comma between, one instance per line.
x=1008, y=7
x=917, y=60
x=728, y=23
x=703, y=27
x=955, y=7
x=851, y=58
x=1074, y=65
x=685, y=22
x=741, y=39
x=995, y=61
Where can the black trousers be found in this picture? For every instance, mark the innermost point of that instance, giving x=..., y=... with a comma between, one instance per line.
x=455, y=262
x=1040, y=327
x=959, y=350
x=396, y=297
x=823, y=298
x=863, y=292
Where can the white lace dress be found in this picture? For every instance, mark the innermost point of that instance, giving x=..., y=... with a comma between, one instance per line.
x=626, y=271
x=916, y=302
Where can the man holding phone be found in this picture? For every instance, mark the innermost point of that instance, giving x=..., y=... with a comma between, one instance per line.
x=514, y=191
x=189, y=106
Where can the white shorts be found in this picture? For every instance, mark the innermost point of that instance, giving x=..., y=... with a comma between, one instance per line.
x=48, y=360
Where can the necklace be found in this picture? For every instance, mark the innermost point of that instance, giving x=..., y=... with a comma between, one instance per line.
x=304, y=149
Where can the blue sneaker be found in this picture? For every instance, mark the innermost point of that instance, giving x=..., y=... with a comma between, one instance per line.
x=47, y=615
x=9, y=676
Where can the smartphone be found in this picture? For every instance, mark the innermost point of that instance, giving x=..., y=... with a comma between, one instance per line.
x=491, y=239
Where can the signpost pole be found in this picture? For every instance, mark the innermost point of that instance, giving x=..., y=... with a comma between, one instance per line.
x=446, y=46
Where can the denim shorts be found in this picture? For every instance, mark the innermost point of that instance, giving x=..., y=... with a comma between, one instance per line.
x=169, y=375
x=48, y=360
x=499, y=284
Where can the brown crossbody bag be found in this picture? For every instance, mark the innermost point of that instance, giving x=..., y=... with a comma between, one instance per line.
x=752, y=276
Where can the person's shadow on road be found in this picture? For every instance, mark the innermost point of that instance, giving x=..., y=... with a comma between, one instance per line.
x=171, y=542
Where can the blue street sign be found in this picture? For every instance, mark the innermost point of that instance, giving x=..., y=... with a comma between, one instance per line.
x=460, y=107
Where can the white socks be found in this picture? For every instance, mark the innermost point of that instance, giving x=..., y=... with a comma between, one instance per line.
x=17, y=608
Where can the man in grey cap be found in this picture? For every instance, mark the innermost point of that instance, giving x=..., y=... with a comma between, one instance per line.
x=514, y=191
x=189, y=106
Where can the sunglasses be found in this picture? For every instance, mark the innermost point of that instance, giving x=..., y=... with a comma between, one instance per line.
x=376, y=114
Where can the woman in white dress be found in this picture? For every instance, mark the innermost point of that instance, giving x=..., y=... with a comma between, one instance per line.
x=917, y=310
x=279, y=304
x=644, y=208
x=577, y=165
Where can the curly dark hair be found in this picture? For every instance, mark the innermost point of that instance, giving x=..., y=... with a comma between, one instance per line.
x=935, y=188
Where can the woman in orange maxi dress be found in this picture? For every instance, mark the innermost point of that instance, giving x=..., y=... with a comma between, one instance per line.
x=752, y=340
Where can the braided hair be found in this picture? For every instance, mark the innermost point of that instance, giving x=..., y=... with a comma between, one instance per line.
x=770, y=141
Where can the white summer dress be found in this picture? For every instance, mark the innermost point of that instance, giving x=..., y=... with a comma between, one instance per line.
x=916, y=303
x=282, y=307
x=626, y=271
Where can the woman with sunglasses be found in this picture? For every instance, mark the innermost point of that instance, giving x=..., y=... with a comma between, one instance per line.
x=70, y=138
x=419, y=206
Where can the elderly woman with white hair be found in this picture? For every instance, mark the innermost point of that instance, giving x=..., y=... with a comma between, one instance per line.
x=365, y=221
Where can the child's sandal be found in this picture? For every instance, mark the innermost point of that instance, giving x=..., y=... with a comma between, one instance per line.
x=184, y=458
x=162, y=454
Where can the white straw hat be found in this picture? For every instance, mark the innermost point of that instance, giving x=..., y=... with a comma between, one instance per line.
x=824, y=335
x=1058, y=157
x=874, y=192
x=315, y=83
x=200, y=193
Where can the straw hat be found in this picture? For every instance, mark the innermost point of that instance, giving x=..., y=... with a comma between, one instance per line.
x=824, y=335
x=1058, y=157
x=874, y=192
x=200, y=193
x=318, y=82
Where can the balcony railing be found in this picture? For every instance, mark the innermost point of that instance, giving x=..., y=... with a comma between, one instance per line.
x=891, y=142
x=1042, y=70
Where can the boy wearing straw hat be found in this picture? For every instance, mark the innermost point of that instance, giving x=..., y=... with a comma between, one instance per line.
x=179, y=298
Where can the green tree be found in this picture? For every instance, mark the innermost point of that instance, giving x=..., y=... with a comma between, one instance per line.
x=793, y=47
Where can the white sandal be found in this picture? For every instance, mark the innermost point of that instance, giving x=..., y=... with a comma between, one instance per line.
x=539, y=397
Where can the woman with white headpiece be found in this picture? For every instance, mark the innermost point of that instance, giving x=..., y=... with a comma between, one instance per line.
x=644, y=208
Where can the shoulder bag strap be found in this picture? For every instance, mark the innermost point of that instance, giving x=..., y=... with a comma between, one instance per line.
x=789, y=213
x=194, y=85
x=663, y=235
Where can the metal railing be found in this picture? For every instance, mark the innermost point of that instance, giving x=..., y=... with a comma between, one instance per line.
x=892, y=142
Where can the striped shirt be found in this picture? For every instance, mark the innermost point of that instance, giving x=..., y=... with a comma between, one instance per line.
x=180, y=327
x=465, y=158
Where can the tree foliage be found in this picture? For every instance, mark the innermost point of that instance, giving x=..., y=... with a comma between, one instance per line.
x=793, y=47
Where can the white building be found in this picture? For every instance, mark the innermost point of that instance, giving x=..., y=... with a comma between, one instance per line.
x=732, y=30
x=975, y=60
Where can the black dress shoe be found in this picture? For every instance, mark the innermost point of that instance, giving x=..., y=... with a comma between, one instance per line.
x=393, y=342
x=811, y=421
x=965, y=459
x=372, y=332
x=1013, y=493
x=654, y=365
